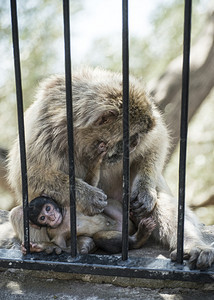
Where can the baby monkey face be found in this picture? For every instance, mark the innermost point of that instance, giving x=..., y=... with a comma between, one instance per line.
x=50, y=216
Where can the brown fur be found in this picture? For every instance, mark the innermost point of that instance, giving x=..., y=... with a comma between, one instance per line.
x=101, y=230
x=105, y=232
x=97, y=110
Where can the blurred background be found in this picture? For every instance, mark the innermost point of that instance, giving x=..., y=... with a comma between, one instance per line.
x=156, y=39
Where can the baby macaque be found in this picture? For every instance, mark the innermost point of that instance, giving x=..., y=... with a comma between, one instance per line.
x=105, y=230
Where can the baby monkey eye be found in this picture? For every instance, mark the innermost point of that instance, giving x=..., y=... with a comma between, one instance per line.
x=42, y=218
x=48, y=208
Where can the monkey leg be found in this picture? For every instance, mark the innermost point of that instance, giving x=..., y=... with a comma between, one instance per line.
x=199, y=252
x=111, y=241
x=200, y=257
x=145, y=228
x=54, y=183
x=85, y=245
x=143, y=198
x=48, y=247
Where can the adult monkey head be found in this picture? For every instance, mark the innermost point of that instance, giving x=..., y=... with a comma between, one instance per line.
x=98, y=116
x=98, y=113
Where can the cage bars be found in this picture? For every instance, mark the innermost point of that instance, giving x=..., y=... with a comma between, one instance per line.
x=21, y=129
x=126, y=168
x=104, y=264
x=183, y=129
x=69, y=107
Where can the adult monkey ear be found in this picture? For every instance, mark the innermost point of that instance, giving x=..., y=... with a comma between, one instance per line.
x=106, y=117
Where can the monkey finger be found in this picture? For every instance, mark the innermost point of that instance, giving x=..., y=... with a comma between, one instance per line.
x=101, y=204
x=141, y=210
x=149, y=222
x=23, y=249
x=136, y=204
x=34, y=247
x=205, y=259
x=134, y=196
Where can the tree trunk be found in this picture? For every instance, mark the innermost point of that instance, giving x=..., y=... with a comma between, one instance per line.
x=167, y=90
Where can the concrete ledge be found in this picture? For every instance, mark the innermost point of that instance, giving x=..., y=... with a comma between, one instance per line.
x=28, y=275
x=17, y=284
x=8, y=241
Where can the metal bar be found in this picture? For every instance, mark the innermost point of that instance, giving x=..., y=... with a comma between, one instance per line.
x=105, y=265
x=19, y=97
x=183, y=129
x=126, y=170
x=69, y=107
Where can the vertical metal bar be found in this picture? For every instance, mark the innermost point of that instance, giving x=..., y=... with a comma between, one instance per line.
x=19, y=97
x=183, y=129
x=69, y=107
x=126, y=170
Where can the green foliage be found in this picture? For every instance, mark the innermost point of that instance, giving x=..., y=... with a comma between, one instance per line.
x=40, y=38
x=150, y=55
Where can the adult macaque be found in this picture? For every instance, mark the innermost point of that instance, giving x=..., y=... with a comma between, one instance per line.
x=97, y=107
x=104, y=230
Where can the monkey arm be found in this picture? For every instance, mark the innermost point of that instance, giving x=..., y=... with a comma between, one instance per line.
x=143, y=190
x=146, y=169
x=196, y=249
x=89, y=200
x=16, y=219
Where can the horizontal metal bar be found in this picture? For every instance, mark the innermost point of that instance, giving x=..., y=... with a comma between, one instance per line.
x=105, y=265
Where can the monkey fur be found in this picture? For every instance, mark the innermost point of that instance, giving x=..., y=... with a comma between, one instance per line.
x=97, y=107
x=101, y=230
x=105, y=231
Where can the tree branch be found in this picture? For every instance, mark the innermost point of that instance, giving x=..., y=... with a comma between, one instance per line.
x=167, y=89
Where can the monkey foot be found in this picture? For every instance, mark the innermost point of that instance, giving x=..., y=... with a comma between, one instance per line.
x=200, y=257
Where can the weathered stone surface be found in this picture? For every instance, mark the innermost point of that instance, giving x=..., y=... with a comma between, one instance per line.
x=31, y=284
x=25, y=285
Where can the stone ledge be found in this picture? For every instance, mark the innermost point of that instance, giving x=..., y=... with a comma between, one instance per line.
x=7, y=240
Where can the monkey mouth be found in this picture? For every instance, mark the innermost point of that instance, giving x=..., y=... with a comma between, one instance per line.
x=57, y=221
x=114, y=158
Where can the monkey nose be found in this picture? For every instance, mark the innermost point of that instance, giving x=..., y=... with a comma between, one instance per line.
x=102, y=147
x=52, y=217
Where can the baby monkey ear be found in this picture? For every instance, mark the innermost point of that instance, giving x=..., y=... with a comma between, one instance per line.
x=106, y=117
